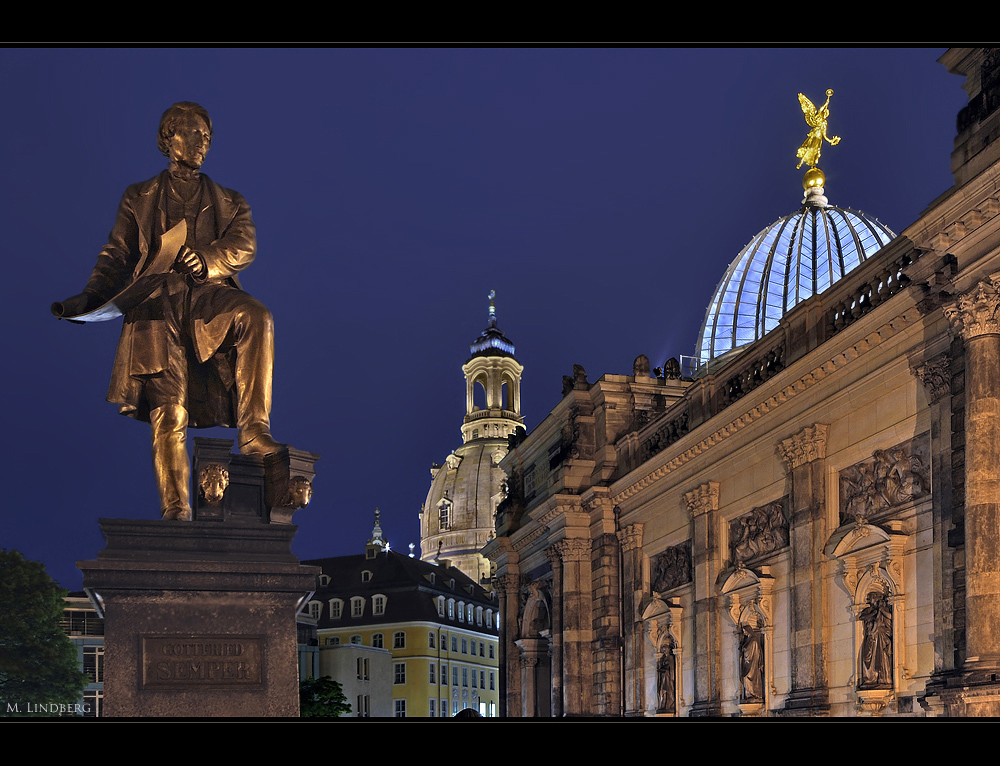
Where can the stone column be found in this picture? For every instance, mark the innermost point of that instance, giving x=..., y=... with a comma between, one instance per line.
x=630, y=539
x=805, y=458
x=575, y=671
x=976, y=317
x=510, y=673
x=555, y=562
x=703, y=503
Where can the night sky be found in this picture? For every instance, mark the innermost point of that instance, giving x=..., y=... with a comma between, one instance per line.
x=601, y=193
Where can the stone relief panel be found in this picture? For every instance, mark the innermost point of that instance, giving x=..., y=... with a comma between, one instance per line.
x=758, y=533
x=890, y=478
x=671, y=568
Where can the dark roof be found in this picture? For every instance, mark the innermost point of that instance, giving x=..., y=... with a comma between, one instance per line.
x=406, y=583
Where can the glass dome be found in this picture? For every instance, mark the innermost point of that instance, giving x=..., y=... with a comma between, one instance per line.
x=793, y=259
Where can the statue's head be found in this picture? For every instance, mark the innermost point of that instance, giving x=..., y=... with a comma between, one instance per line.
x=181, y=112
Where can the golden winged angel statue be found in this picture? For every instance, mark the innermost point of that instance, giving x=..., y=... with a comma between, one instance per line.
x=816, y=120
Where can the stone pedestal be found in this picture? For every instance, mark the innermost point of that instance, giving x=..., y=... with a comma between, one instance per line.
x=199, y=616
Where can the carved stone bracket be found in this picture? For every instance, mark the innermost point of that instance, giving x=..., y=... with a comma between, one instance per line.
x=977, y=312
x=807, y=445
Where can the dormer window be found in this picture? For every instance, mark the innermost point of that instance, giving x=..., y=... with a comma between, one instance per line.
x=324, y=580
x=366, y=575
x=357, y=606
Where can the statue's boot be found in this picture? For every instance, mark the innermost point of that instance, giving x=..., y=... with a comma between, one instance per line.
x=253, y=333
x=170, y=460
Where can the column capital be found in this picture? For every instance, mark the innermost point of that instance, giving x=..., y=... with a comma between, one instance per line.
x=935, y=374
x=630, y=537
x=977, y=311
x=807, y=445
x=703, y=499
x=569, y=549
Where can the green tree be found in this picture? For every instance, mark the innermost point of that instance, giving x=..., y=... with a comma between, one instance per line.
x=38, y=662
x=322, y=698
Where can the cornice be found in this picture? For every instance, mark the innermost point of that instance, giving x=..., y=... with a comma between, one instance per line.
x=830, y=365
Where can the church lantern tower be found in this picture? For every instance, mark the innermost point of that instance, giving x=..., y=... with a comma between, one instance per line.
x=457, y=519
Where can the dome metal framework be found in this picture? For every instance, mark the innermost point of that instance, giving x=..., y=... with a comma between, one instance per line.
x=793, y=259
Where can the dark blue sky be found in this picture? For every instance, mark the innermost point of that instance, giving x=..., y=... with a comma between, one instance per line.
x=601, y=193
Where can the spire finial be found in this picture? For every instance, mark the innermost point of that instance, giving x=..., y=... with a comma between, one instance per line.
x=377, y=532
x=493, y=309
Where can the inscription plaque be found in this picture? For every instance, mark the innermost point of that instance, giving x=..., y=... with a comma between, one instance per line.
x=196, y=662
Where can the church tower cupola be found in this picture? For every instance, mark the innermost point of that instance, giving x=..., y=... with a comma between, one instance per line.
x=492, y=384
x=458, y=517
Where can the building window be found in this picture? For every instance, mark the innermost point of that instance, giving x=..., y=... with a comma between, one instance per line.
x=363, y=668
x=468, y=614
x=432, y=678
x=93, y=663
x=324, y=580
x=444, y=515
x=454, y=643
x=440, y=606
x=399, y=673
x=465, y=676
x=493, y=682
x=399, y=640
x=378, y=604
x=482, y=679
x=492, y=652
x=315, y=609
x=399, y=708
x=451, y=609
x=366, y=575
x=482, y=709
x=493, y=709
x=479, y=615
x=363, y=709
x=465, y=646
x=482, y=649
x=430, y=640
x=489, y=618
x=444, y=675
x=357, y=606
x=356, y=639
x=333, y=641
x=454, y=707
x=432, y=710
x=377, y=640
x=444, y=642
x=444, y=709
x=461, y=611
x=336, y=605
x=454, y=675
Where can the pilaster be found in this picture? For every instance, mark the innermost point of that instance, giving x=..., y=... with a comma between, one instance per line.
x=804, y=455
x=703, y=504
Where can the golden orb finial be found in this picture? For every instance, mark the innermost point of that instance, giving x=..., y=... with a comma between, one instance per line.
x=813, y=179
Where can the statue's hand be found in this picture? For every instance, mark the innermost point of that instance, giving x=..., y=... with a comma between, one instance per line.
x=192, y=263
x=78, y=304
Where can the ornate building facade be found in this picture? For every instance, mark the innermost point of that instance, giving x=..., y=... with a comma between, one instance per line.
x=457, y=518
x=808, y=524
